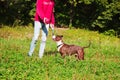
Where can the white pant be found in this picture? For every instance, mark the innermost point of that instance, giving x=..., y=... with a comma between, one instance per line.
x=37, y=26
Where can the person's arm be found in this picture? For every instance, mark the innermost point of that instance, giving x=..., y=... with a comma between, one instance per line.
x=53, y=18
x=49, y=13
x=39, y=9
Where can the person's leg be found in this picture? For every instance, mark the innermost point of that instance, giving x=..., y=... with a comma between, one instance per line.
x=45, y=29
x=37, y=26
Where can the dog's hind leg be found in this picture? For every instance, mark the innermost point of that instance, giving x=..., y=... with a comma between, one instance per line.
x=81, y=54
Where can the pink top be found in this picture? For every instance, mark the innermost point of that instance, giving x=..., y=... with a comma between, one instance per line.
x=44, y=9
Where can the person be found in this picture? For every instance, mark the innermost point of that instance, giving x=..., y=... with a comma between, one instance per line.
x=44, y=18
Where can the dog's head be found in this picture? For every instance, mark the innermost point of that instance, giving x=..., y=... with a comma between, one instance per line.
x=57, y=37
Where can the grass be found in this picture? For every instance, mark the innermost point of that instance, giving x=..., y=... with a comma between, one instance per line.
x=102, y=59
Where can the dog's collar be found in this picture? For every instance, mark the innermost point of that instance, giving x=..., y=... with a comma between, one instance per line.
x=59, y=45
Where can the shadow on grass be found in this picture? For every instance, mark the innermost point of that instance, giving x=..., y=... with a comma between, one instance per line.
x=52, y=53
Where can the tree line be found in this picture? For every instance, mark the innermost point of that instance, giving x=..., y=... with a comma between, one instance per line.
x=101, y=15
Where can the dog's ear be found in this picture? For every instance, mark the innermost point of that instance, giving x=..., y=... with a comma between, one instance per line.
x=61, y=35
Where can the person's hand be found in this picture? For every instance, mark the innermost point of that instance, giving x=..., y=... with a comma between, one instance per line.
x=46, y=20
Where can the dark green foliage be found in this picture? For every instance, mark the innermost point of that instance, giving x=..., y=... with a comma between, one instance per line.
x=15, y=12
x=102, y=15
x=109, y=17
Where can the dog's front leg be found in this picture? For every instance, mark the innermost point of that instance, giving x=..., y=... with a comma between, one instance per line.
x=63, y=55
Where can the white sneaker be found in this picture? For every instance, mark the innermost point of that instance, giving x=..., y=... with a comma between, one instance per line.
x=29, y=54
x=40, y=56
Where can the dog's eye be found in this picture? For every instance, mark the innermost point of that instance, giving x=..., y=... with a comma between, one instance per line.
x=61, y=35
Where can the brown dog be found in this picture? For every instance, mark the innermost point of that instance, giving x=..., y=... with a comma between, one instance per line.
x=66, y=49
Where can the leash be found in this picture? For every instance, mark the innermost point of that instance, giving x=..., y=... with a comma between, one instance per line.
x=53, y=32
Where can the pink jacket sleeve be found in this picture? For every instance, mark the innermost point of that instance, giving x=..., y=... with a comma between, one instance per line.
x=39, y=9
x=52, y=19
x=49, y=13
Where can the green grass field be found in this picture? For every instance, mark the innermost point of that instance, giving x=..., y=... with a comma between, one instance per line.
x=102, y=59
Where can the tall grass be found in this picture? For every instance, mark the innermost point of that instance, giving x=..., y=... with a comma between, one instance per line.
x=102, y=59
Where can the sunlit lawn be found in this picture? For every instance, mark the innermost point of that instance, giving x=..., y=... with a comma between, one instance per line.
x=102, y=59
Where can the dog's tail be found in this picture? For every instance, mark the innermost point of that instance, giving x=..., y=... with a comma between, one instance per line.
x=88, y=45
